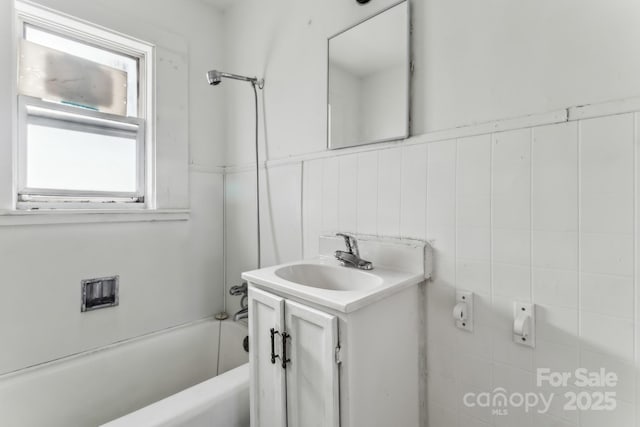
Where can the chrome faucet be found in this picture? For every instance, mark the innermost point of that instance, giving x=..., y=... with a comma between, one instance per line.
x=351, y=257
x=241, y=314
x=241, y=290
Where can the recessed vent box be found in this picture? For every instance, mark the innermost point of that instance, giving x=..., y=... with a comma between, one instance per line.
x=100, y=293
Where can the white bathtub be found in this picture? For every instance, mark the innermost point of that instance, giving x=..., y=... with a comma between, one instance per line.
x=94, y=388
x=222, y=401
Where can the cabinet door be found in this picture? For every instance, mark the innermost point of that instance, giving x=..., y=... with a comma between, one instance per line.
x=268, y=394
x=312, y=373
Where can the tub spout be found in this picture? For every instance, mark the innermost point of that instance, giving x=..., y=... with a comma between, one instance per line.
x=242, y=314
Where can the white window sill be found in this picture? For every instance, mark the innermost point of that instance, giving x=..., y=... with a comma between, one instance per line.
x=89, y=216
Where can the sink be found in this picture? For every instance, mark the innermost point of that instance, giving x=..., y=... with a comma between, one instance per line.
x=330, y=277
x=323, y=281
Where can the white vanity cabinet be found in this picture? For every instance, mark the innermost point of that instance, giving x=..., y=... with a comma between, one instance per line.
x=355, y=369
x=332, y=346
x=294, y=374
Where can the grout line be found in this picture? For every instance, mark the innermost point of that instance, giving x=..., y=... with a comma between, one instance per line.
x=426, y=200
x=377, y=232
x=579, y=218
x=400, y=198
x=357, y=195
x=322, y=198
x=224, y=242
x=492, y=145
x=403, y=151
x=531, y=141
x=302, y=215
x=491, y=213
x=635, y=257
x=455, y=214
x=339, y=190
x=358, y=192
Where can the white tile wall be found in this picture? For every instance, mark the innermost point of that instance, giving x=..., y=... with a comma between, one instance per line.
x=330, y=188
x=311, y=206
x=542, y=214
x=389, y=177
x=413, y=191
x=347, y=200
x=511, y=214
x=367, y=193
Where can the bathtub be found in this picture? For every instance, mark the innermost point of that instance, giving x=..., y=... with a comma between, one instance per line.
x=222, y=401
x=192, y=375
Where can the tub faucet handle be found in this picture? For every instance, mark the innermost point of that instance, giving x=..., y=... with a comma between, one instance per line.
x=238, y=290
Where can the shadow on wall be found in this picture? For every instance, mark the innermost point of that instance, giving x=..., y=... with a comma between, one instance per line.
x=484, y=377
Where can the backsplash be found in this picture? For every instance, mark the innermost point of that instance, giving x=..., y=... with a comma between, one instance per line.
x=543, y=214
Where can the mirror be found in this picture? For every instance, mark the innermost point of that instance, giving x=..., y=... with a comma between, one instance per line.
x=368, y=88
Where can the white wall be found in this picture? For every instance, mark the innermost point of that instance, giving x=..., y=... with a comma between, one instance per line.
x=170, y=272
x=280, y=219
x=539, y=213
x=474, y=62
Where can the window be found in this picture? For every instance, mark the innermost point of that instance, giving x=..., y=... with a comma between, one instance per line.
x=84, y=140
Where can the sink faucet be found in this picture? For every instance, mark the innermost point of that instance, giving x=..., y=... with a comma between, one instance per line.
x=351, y=257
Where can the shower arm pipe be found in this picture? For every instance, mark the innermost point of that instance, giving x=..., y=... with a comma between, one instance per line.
x=215, y=77
x=254, y=80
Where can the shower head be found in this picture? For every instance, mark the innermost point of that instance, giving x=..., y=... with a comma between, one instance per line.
x=214, y=77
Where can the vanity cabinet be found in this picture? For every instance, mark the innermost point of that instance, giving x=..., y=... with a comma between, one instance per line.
x=294, y=370
x=330, y=368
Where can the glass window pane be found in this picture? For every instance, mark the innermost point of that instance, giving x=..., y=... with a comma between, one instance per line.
x=48, y=60
x=66, y=159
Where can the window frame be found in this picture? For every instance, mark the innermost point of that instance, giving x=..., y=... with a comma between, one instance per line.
x=84, y=32
x=73, y=118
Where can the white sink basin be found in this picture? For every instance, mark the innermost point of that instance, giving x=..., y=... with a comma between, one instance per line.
x=331, y=277
x=325, y=282
x=397, y=264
